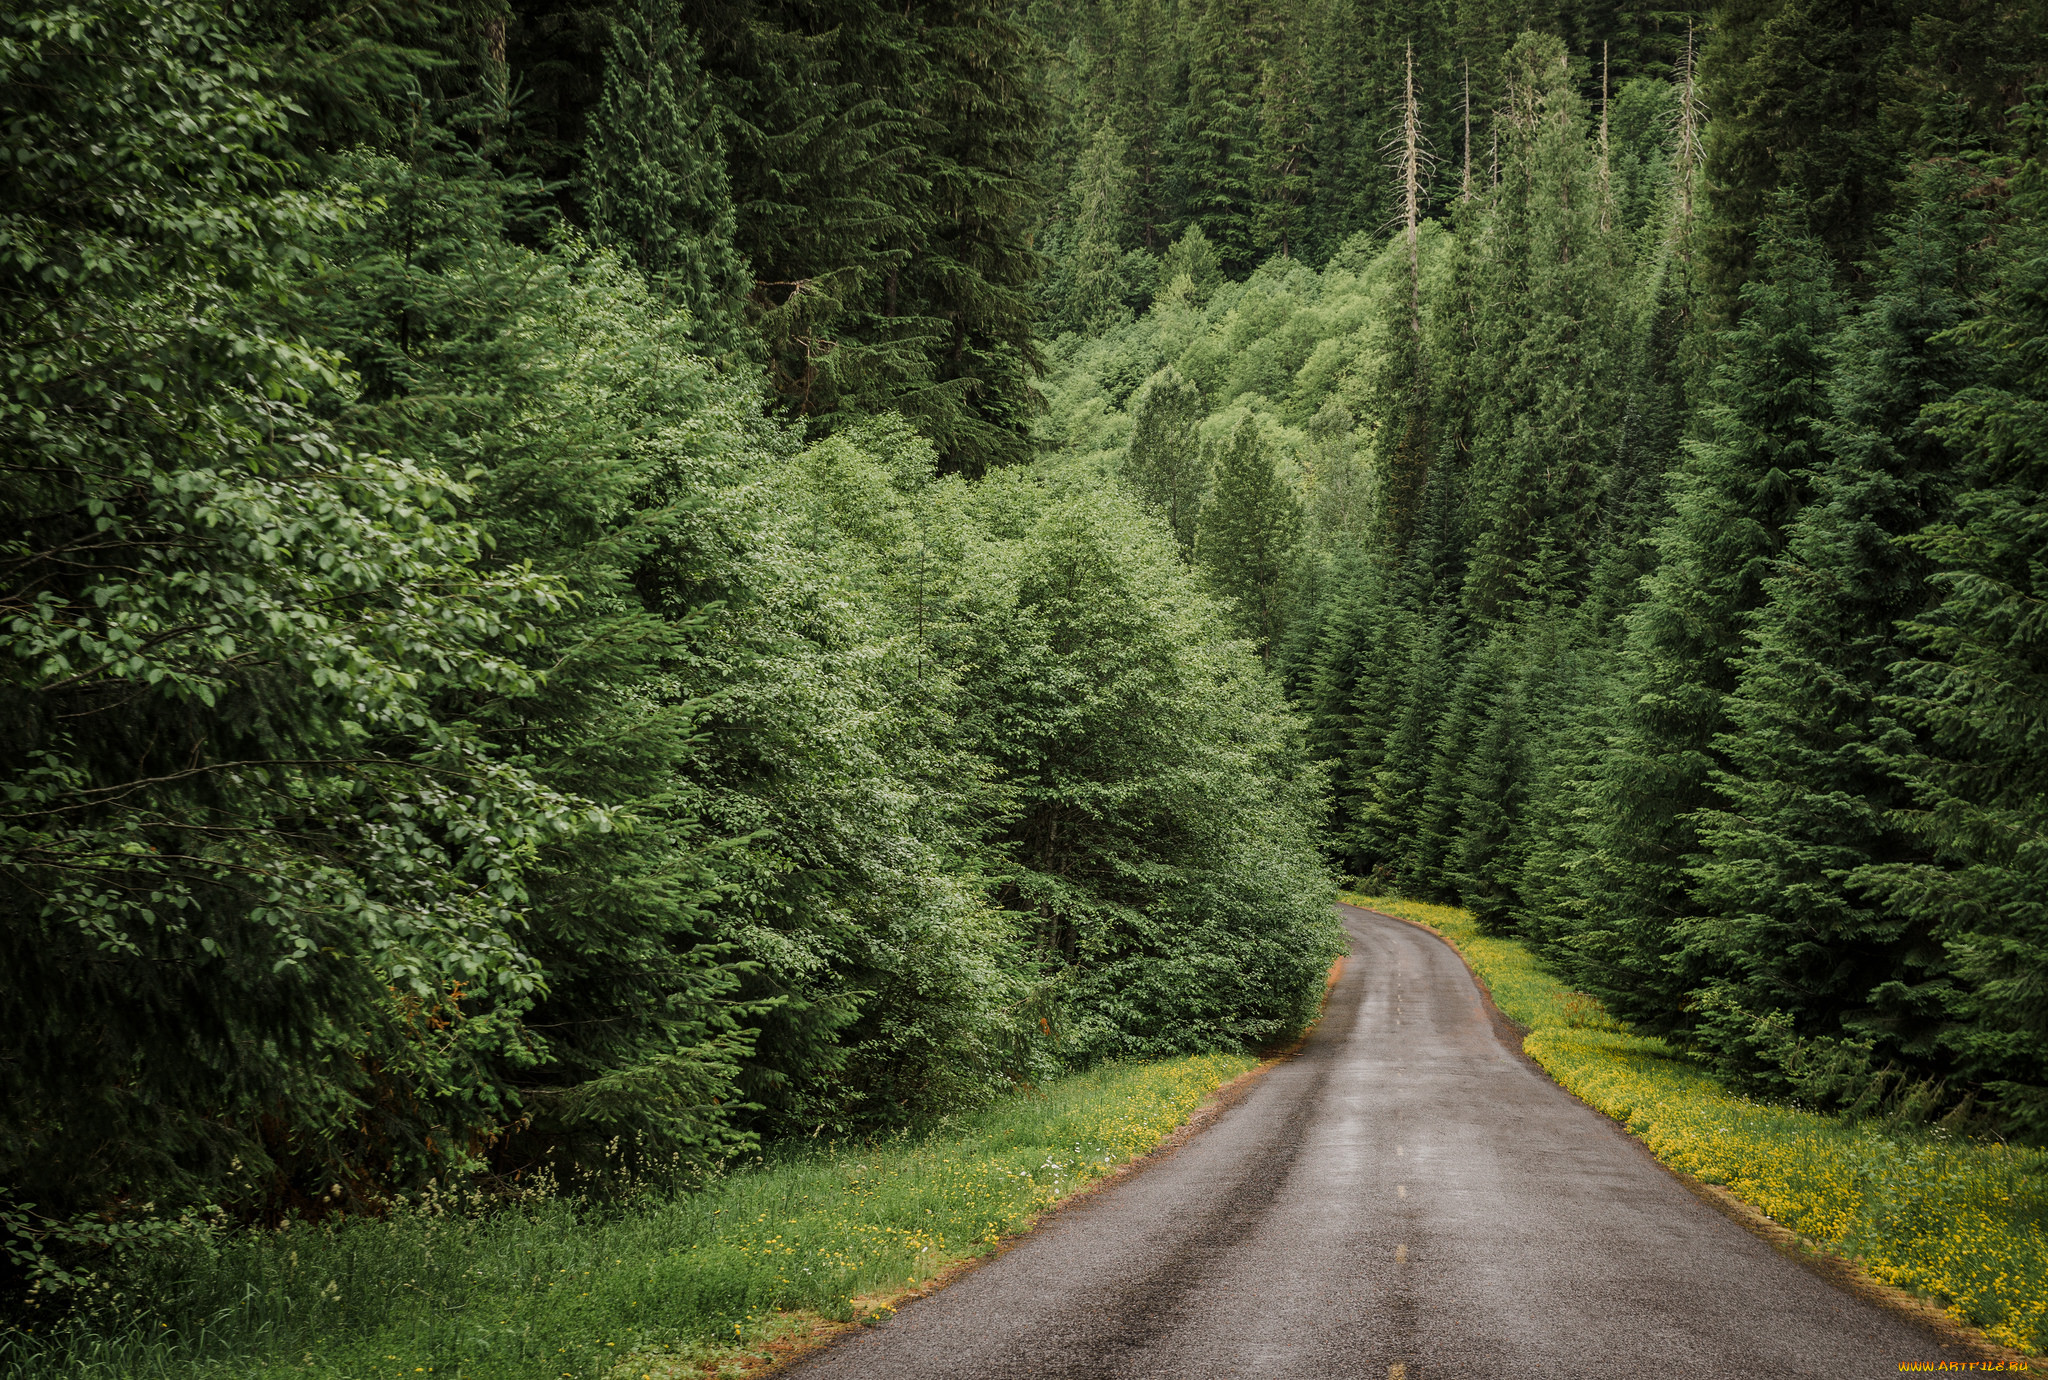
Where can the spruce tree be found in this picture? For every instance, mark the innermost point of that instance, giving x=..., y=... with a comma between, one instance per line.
x=1797, y=92
x=655, y=169
x=1143, y=112
x=1219, y=153
x=1194, y=258
x=1100, y=195
x=1545, y=316
x=1285, y=177
x=1398, y=709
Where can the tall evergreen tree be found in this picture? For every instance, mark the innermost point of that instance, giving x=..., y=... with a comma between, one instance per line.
x=1218, y=166
x=1145, y=95
x=655, y=166
x=1733, y=497
x=1246, y=533
x=1808, y=983
x=1798, y=96
x=1100, y=194
x=973, y=267
x=1165, y=463
x=1285, y=176
x=1979, y=682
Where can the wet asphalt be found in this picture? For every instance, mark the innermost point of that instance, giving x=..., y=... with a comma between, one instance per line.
x=1407, y=1197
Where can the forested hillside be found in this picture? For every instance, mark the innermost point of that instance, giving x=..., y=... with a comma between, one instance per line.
x=617, y=580
x=1638, y=488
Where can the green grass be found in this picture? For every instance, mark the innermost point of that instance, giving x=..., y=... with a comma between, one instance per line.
x=1962, y=1221
x=656, y=1288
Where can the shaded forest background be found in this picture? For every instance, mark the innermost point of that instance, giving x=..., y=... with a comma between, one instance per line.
x=657, y=576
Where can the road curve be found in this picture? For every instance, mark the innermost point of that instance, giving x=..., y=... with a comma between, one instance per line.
x=1407, y=1197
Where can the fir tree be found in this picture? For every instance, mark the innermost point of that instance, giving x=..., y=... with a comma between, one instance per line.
x=1219, y=155
x=1797, y=100
x=1732, y=500
x=1286, y=179
x=1246, y=533
x=1194, y=258
x=1979, y=681
x=974, y=269
x=1100, y=194
x=1809, y=984
x=1165, y=463
x=655, y=166
x=1143, y=112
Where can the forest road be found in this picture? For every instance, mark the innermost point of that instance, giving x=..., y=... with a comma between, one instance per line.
x=1407, y=1197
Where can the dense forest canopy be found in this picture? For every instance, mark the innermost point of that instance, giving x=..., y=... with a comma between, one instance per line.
x=656, y=574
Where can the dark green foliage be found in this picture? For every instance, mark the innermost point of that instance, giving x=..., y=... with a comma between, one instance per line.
x=655, y=168
x=1976, y=684
x=531, y=630
x=1802, y=973
x=454, y=732
x=1797, y=89
x=262, y=899
x=1732, y=497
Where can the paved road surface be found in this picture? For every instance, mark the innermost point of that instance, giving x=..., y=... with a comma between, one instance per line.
x=1407, y=1198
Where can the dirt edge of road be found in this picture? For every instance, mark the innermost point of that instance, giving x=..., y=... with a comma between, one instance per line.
x=1844, y=1272
x=798, y=1345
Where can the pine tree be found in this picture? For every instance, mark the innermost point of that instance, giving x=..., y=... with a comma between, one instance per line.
x=1396, y=711
x=973, y=269
x=1246, y=533
x=655, y=166
x=1192, y=257
x=1547, y=286
x=1144, y=65
x=1165, y=463
x=1286, y=178
x=1797, y=99
x=1340, y=152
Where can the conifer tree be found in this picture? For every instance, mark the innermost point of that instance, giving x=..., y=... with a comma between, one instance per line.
x=1797, y=105
x=1144, y=66
x=1396, y=712
x=1809, y=985
x=1286, y=180
x=1246, y=532
x=1165, y=462
x=1340, y=152
x=1219, y=162
x=973, y=270
x=1100, y=194
x=1732, y=498
x=655, y=166
x=1979, y=681
x=1194, y=258
x=1546, y=429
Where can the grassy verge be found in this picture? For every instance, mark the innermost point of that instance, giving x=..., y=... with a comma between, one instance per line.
x=1962, y=1221
x=701, y=1283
